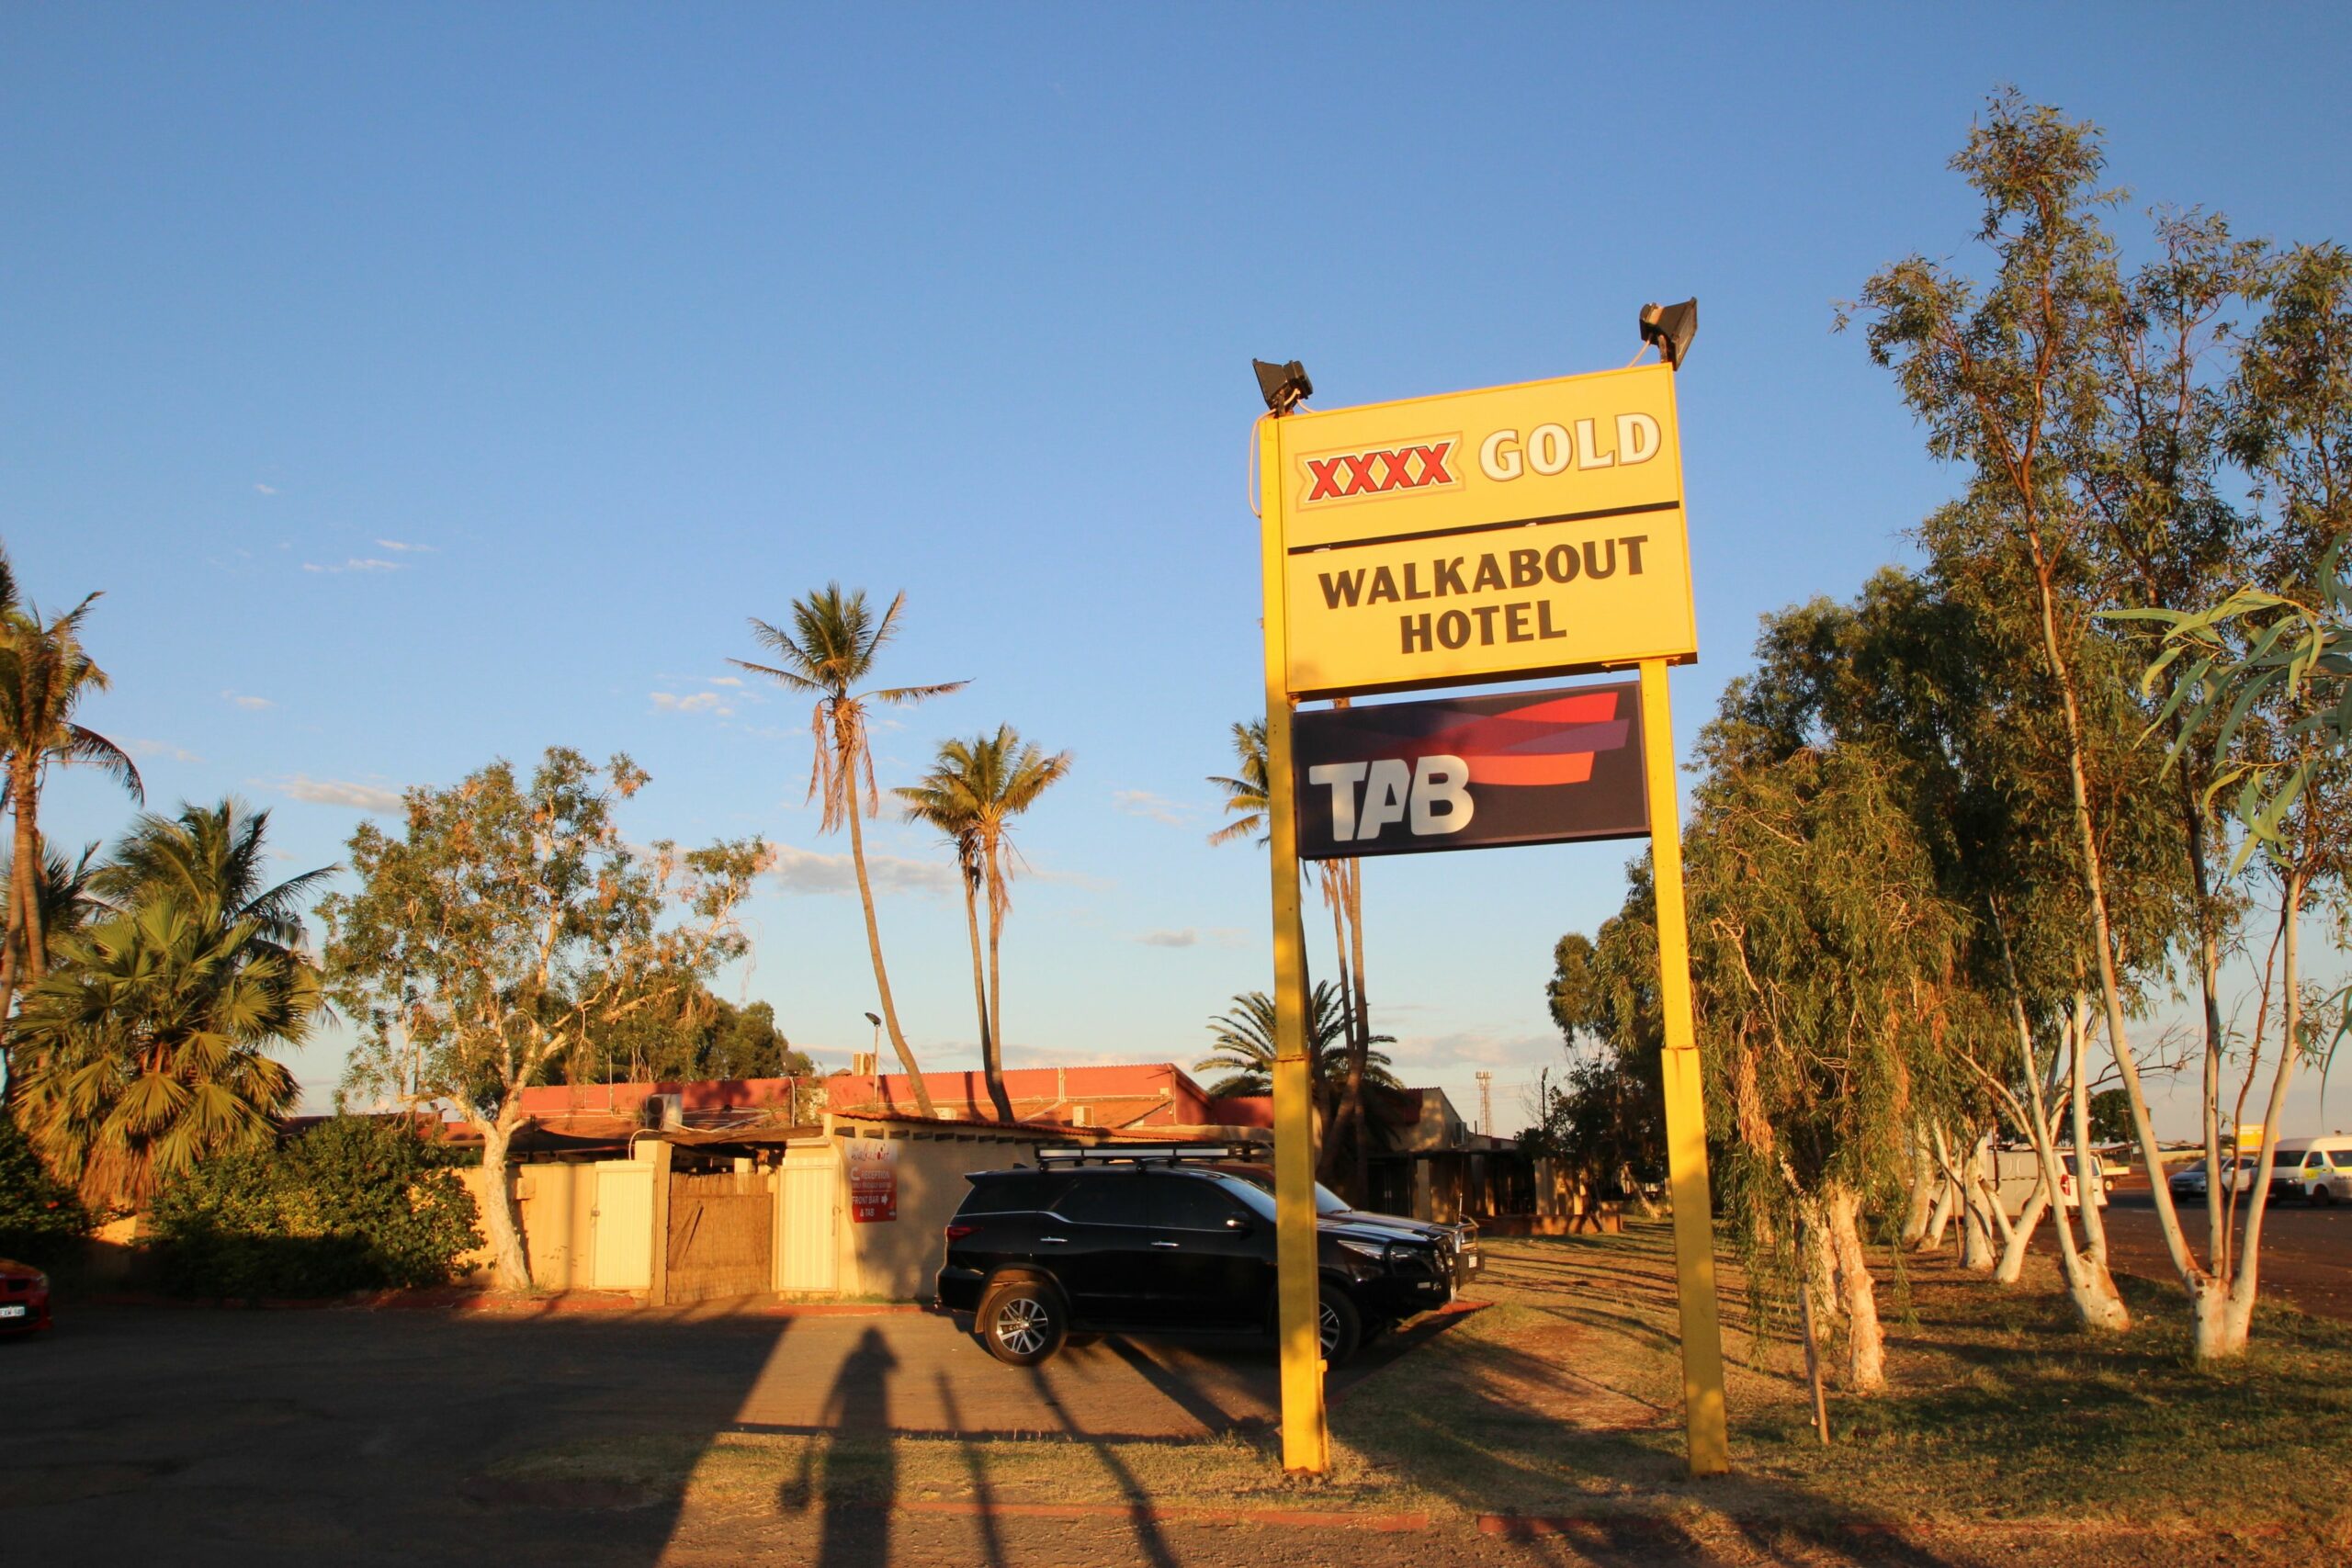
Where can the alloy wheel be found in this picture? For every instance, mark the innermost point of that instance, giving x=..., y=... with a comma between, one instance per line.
x=1021, y=1324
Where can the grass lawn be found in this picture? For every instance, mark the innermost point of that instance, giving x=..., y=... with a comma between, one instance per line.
x=1564, y=1397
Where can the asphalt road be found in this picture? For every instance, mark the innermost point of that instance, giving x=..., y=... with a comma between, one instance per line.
x=2306, y=1258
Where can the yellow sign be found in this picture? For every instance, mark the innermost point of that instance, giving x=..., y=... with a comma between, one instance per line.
x=1513, y=532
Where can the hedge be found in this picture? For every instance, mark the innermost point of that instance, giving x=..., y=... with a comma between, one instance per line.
x=355, y=1203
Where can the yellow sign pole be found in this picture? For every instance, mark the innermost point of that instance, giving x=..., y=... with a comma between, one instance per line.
x=1686, y=1111
x=1306, y=1440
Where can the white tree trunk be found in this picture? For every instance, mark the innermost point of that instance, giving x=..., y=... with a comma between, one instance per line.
x=2236, y=1313
x=2089, y=1179
x=1921, y=1199
x=1865, y=1343
x=1820, y=1266
x=1946, y=1200
x=1975, y=1237
x=500, y=1217
x=2012, y=1264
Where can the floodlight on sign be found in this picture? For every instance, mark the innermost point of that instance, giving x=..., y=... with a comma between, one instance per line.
x=1284, y=387
x=1671, y=327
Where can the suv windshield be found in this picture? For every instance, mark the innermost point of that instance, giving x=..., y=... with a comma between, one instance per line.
x=1249, y=1194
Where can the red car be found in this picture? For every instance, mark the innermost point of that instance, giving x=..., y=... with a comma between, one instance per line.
x=24, y=1298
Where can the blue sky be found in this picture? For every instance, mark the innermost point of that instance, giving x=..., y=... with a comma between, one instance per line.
x=425, y=384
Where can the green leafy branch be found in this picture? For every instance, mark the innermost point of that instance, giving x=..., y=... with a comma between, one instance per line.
x=2257, y=651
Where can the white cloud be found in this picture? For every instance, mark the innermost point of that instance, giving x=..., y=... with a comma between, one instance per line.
x=354, y=564
x=397, y=548
x=1193, y=936
x=1473, y=1047
x=266, y=489
x=726, y=680
x=806, y=871
x=245, y=700
x=1158, y=807
x=700, y=702
x=161, y=748
x=1188, y=937
x=340, y=792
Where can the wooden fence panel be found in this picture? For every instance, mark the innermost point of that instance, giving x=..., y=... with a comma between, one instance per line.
x=720, y=1236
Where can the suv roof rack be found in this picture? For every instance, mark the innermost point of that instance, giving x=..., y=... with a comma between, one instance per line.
x=1148, y=1153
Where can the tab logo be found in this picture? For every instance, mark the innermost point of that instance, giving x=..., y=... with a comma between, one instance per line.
x=1546, y=743
x=1424, y=463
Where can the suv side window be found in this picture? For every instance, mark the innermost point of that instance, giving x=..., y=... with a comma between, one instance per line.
x=1188, y=1203
x=2343, y=1159
x=1014, y=1194
x=1103, y=1198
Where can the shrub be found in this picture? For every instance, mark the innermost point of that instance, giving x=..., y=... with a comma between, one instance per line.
x=41, y=1221
x=353, y=1204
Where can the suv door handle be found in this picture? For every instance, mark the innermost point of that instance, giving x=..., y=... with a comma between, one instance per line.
x=1166, y=1244
x=1055, y=1240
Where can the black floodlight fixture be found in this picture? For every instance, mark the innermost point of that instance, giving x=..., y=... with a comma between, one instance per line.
x=1285, y=386
x=1671, y=327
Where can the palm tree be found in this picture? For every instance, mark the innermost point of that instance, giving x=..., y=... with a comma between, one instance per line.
x=1342, y=885
x=44, y=674
x=938, y=801
x=973, y=793
x=1245, y=798
x=830, y=649
x=212, y=855
x=143, y=1050
x=1244, y=1038
x=67, y=898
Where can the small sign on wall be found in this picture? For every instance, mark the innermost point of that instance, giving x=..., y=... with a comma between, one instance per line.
x=873, y=1181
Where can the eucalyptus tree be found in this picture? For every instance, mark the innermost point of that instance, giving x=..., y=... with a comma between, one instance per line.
x=829, y=648
x=1937, y=677
x=972, y=794
x=1822, y=951
x=45, y=676
x=1606, y=1118
x=2036, y=382
x=507, y=921
x=2257, y=695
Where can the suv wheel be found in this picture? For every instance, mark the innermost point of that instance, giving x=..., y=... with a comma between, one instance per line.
x=1339, y=1327
x=2323, y=1193
x=1022, y=1322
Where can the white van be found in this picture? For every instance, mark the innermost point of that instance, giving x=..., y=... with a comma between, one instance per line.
x=2318, y=1170
x=2014, y=1173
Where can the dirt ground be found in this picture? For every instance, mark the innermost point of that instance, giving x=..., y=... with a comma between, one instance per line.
x=188, y=1435
x=2306, y=1249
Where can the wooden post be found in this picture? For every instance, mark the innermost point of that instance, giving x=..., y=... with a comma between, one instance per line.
x=660, y=1292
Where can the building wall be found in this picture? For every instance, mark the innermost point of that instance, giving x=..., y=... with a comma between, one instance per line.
x=898, y=1259
x=559, y=1205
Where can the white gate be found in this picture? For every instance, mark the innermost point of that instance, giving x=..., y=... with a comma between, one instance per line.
x=623, y=1251
x=807, y=1217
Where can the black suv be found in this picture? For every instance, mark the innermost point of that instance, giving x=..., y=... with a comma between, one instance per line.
x=1133, y=1240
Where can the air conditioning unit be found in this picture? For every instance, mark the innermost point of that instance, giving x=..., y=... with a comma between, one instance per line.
x=666, y=1111
x=1081, y=1116
x=863, y=1063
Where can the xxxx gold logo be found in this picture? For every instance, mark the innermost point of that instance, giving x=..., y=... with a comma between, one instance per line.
x=1423, y=464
